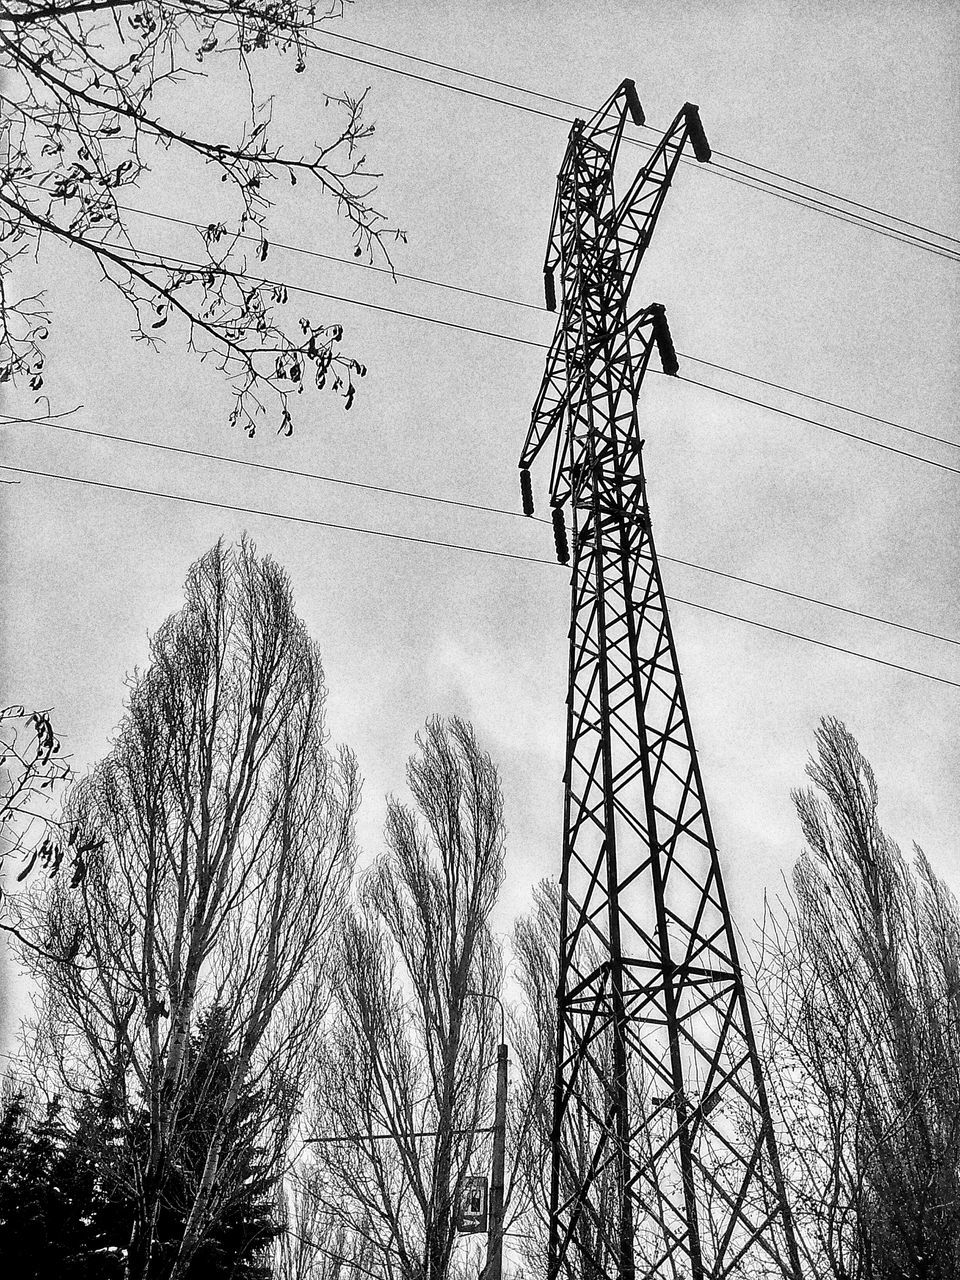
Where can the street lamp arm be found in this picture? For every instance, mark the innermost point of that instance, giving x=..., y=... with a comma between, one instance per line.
x=489, y=995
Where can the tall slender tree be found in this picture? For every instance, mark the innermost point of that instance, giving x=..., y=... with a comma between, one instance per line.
x=860, y=977
x=224, y=842
x=404, y=1088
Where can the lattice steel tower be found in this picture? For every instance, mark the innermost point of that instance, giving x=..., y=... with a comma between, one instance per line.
x=663, y=1155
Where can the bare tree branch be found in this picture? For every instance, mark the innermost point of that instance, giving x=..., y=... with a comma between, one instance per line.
x=85, y=115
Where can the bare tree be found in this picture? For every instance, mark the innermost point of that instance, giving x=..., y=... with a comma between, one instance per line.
x=224, y=844
x=404, y=1088
x=536, y=944
x=89, y=105
x=860, y=977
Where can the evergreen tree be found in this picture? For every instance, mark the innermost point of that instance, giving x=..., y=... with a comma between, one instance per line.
x=55, y=1216
x=66, y=1181
x=236, y=1245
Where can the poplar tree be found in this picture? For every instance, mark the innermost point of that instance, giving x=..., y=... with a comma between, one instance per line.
x=860, y=976
x=403, y=1091
x=221, y=830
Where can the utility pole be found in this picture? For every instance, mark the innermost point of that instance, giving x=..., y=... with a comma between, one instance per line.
x=663, y=1159
x=494, y=1267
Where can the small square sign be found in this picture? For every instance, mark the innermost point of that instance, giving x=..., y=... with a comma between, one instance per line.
x=472, y=1205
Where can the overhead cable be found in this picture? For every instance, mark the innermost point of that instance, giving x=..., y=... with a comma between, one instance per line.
x=333, y=257
x=586, y=111
x=454, y=502
x=763, y=185
x=457, y=546
x=532, y=306
x=166, y=260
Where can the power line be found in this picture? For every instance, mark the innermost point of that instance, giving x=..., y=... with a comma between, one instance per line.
x=850, y=435
x=333, y=257
x=169, y=262
x=825, y=604
x=565, y=102
x=722, y=171
x=532, y=306
x=835, y=196
x=458, y=546
x=266, y=466
x=841, y=215
x=832, y=404
x=282, y=515
x=462, y=503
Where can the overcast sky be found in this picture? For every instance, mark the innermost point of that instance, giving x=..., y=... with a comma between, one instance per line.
x=858, y=97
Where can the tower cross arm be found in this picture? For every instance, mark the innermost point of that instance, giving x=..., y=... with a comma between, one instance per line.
x=650, y=327
x=637, y=212
x=550, y=402
x=604, y=131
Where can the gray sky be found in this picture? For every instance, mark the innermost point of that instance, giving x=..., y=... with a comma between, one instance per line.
x=860, y=98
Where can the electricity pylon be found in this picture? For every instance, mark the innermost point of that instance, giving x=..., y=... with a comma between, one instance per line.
x=664, y=1161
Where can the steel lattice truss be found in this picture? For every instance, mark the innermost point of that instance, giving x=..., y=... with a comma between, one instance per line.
x=664, y=1160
